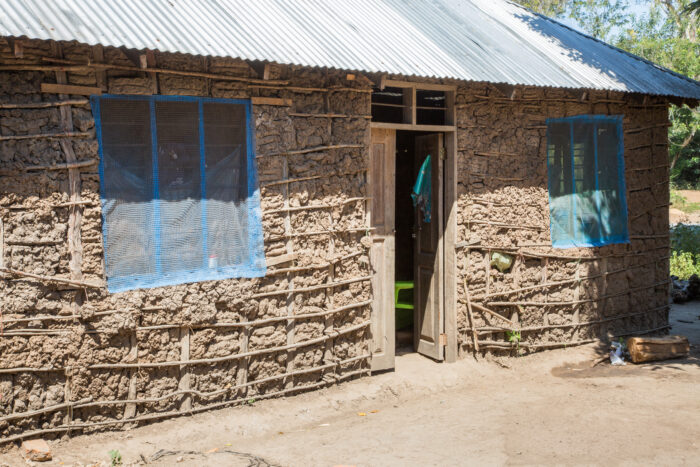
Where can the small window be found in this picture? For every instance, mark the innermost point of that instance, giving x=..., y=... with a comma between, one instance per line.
x=180, y=201
x=431, y=107
x=391, y=105
x=405, y=103
x=586, y=181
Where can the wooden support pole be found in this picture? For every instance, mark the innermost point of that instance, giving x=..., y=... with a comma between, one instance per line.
x=470, y=314
x=184, y=383
x=150, y=58
x=75, y=214
x=244, y=363
x=328, y=354
x=100, y=74
x=289, y=247
x=133, y=355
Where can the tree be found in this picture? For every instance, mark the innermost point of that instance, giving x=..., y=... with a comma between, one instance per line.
x=596, y=17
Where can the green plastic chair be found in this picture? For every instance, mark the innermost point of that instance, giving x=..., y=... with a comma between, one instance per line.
x=403, y=307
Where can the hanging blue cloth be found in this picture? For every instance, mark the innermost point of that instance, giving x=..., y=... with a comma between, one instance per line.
x=421, y=190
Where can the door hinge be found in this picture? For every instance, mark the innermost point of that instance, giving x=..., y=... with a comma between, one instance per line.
x=443, y=339
x=443, y=154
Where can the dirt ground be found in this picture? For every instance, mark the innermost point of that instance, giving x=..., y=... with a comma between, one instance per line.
x=548, y=408
x=676, y=215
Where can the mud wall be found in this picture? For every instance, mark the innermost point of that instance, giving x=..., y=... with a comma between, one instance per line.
x=74, y=358
x=553, y=297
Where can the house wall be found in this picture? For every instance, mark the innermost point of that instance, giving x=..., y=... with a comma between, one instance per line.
x=503, y=206
x=74, y=355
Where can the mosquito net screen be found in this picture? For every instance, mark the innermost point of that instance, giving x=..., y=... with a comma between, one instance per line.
x=586, y=181
x=179, y=192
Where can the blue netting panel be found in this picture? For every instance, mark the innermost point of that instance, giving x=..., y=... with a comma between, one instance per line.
x=585, y=162
x=179, y=191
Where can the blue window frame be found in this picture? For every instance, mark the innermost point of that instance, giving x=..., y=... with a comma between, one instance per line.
x=586, y=172
x=180, y=200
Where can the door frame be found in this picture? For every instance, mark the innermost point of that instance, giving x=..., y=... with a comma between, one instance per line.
x=449, y=238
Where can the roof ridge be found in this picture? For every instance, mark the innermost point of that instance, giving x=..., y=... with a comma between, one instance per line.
x=588, y=36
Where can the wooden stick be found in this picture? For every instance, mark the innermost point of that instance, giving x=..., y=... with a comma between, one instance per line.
x=314, y=149
x=316, y=206
x=568, y=281
x=53, y=408
x=78, y=66
x=320, y=232
x=67, y=134
x=75, y=203
x=329, y=115
x=195, y=410
x=228, y=358
x=471, y=316
x=304, y=179
x=313, y=287
x=309, y=89
x=493, y=313
x=509, y=226
x=576, y=302
x=65, y=165
x=57, y=280
x=44, y=105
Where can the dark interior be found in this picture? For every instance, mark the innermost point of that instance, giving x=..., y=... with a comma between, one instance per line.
x=407, y=166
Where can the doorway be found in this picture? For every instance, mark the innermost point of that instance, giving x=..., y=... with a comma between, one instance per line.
x=408, y=249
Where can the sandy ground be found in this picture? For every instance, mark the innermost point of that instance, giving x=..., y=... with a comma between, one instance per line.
x=548, y=408
x=676, y=215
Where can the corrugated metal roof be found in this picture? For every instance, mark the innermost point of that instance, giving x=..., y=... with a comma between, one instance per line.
x=475, y=40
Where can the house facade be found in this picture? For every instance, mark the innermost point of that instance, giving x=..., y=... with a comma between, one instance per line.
x=183, y=229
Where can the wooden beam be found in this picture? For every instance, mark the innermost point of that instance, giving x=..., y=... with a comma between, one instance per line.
x=408, y=126
x=70, y=89
x=271, y=101
x=275, y=260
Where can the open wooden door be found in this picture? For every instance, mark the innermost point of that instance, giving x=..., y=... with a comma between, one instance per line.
x=428, y=314
x=381, y=189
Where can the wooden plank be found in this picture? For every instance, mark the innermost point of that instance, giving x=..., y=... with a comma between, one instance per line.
x=275, y=260
x=408, y=126
x=649, y=349
x=100, y=75
x=69, y=89
x=449, y=239
x=271, y=101
x=426, y=86
x=381, y=188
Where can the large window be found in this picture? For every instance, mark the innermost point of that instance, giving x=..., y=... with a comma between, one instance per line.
x=180, y=201
x=586, y=181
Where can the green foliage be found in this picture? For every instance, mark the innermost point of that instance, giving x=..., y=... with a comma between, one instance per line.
x=115, y=457
x=685, y=247
x=514, y=337
x=680, y=202
x=685, y=264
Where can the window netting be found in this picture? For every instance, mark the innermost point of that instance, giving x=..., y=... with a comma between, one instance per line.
x=586, y=181
x=179, y=191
